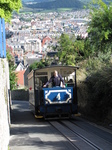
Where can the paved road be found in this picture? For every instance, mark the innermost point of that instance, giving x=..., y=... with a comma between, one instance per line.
x=28, y=133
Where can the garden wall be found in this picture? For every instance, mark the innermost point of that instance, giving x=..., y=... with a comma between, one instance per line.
x=4, y=104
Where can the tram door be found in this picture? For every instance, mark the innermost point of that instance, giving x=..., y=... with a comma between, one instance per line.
x=40, y=80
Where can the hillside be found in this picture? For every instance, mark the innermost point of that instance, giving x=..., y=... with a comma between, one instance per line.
x=57, y=4
x=41, y=1
x=88, y=1
x=38, y=1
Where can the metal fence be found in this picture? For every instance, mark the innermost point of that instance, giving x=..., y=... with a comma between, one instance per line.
x=2, y=39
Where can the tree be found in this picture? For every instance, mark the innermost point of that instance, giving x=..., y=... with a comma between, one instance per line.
x=70, y=50
x=79, y=48
x=100, y=26
x=42, y=63
x=66, y=51
x=7, y=7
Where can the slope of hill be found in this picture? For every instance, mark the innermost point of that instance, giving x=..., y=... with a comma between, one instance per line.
x=88, y=1
x=38, y=1
x=57, y=4
x=41, y=1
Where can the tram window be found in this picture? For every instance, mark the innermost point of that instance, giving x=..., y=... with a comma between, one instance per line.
x=41, y=73
x=52, y=73
x=40, y=81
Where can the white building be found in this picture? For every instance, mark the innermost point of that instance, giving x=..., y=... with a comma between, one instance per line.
x=33, y=45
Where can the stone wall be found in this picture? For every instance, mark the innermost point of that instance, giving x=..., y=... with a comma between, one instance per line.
x=20, y=95
x=4, y=104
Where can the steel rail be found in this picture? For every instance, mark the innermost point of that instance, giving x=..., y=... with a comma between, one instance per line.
x=74, y=146
x=82, y=137
x=72, y=134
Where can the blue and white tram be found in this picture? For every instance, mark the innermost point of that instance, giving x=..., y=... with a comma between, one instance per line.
x=53, y=102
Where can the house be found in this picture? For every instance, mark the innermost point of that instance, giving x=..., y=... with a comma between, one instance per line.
x=46, y=40
x=20, y=67
x=20, y=70
x=32, y=44
x=20, y=78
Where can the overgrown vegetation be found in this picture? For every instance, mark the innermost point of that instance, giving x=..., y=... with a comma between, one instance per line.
x=100, y=93
x=12, y=74
x=95, y=87
x=99, y=65
x=7, y=7
x=100, y=27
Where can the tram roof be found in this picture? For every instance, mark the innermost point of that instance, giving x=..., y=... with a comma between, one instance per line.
x=52, y=68
x=56, y=67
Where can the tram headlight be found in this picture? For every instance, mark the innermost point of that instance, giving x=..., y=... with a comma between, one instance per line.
x=46, y=102
x=70, y=101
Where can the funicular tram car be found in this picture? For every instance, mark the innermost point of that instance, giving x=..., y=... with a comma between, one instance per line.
x=53, y=102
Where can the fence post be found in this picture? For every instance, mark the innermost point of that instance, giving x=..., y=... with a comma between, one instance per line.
x=2, y=39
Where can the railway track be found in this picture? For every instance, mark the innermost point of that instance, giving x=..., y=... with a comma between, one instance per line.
x=79, y=138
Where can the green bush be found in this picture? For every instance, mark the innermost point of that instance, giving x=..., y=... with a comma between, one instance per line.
x=99, y=86
x=95, y=87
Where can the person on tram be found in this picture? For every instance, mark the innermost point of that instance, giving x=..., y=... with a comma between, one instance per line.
x=56, y=80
